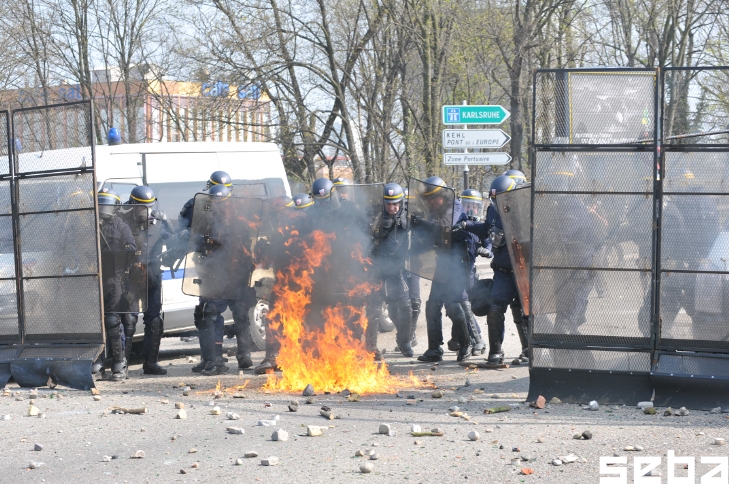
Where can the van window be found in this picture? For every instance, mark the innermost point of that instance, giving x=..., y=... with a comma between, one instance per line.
x=123, y=188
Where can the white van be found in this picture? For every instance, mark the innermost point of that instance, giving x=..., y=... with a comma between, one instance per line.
x=176, y=172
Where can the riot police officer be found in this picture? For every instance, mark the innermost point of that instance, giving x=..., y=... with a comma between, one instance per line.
x=517, y=175
x=321, y=191
x=158, y=231
x=451, y=275
x=389, y=265
x=117, y=246
x=340, y=184
x=302, y=201
x=504, y=289
x=413, y=281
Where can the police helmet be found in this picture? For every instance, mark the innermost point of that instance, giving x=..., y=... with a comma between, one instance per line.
x=321, y=189
x=434, y=186
x=219, y=178
x=142, y=195
x=340, y=181
x=302, y=201
x=472, y=201
x=501, y=184
x=393, y=193
x=287, y=201
x=219, y=192
x=108, y=200
x=517, y=175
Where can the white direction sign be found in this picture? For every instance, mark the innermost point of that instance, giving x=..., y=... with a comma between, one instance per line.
x=474, y=138
x=497, y=158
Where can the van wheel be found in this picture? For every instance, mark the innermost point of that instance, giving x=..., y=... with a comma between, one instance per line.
x=257, y=316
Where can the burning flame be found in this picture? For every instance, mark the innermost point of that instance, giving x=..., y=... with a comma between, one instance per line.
x=331, y=358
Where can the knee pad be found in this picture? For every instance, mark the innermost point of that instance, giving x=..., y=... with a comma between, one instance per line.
x=432, y=310
x=156, y=326
x=111, y=321
x=130, y=322
x=198, y=312
x=454, y=310
x=210, y=310
x=415, y=303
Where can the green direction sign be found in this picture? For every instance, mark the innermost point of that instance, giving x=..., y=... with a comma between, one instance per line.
x=465, y=114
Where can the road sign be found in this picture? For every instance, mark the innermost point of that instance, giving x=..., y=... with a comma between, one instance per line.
x=476, y=158
x=474, y=138
x=466, y=114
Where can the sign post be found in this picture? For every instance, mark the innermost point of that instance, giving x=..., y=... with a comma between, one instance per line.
x=462, y=139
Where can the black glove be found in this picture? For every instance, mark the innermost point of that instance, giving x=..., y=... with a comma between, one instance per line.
x=459, y=226
x=484, y=252
x=414, y=220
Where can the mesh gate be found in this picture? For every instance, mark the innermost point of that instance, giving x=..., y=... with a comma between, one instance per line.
x=592, y=234
x=51, y=311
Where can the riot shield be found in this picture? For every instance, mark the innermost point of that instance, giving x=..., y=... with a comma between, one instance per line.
x=515, y=208
x=219, y=260
x=430, y=209
x=123, y=267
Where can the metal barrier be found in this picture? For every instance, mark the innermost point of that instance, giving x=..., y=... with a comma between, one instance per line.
x=51, y=320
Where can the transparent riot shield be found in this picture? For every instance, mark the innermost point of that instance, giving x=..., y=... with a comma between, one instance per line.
x=515, y=208
x=124, y=266
x=430, y=209
x=219, y=261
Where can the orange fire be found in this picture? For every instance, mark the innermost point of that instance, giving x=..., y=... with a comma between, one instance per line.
x=331, y=358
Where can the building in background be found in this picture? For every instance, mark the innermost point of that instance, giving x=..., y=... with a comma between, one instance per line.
x=146, y=108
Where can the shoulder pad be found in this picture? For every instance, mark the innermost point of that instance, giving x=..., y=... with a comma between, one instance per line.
x=188, y=204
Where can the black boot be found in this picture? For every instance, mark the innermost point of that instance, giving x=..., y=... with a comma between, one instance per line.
x=114, y=340
x=495, y=323
x=434, y=321
x=205, y=356
x=268, y=365
x=153, y=339
x=479, y=346
x=243, y=340
x=129, y=321
x=521, y=329
x=415, y=304
x=460, y=330
x=404, y=318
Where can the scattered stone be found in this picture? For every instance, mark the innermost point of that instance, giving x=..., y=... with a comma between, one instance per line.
x=239, y=462
x=293, y=408
x=488, y=430
x=38, y=447
x=718, y=441
x=179, y=405
x=34, y=465
x=267, y=423
x=374, y=456
x=308, y=391
x=668, y=412
x=526, y=471
x=540, y=402
x=682, y=412
x=97, y=398
x=6, y=417
x=232, y=416
x=345, y=392
x=556, y=462
x=315, y=430
x=473, y=435
x=270, y=461
x=577, y=436
x=106, y=458
x=555, y=401
x=215, y=411
x=385, y=429
x=280, y=435
x=541, y=440
x=629, y=448
x=33, y=394
x=359, y=453
x=418, y=442
x=644, y=405
x=236, y=430
x=181, y=414
x=250, y=454
x=192, y=451
x=587, y=435
x=354, y=397
x=638, y=448
x=195, y=465
x=186, y=393
x=366, y=467
x=462, y=400
x=164, y=402
x=183, y=471
x=649, y=411
x=138, y=455
x=454, y=409
x=716, y=410
x=42, y=415
x=468, y=383
x=415, y=428
x=437, y=394
x=593, y=405
x=569, y=459
x=515, y=449
x=33, y=411
x=310, y=400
